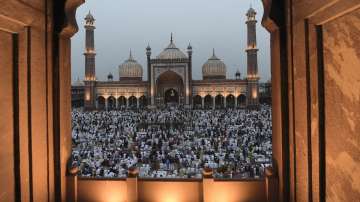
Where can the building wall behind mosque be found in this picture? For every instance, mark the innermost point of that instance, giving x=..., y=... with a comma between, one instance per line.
x=342, y=107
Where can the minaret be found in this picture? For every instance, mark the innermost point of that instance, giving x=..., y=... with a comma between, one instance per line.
x=252, y=64
x=190, y=52
x=148, y=56
x=90, y=77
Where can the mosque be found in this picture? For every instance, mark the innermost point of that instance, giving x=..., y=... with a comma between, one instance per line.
x=169, y=78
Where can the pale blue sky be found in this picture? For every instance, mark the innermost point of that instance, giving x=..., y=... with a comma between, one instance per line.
x=122, y=25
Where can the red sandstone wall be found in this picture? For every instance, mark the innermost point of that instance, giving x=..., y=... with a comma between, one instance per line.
x=102, y=190
x=342, y=107
x=171, y=191
x=241, y=191
x=163, y=191
x=25, y=112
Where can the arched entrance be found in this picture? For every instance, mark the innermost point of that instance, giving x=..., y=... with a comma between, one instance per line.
x=132, y=102
x=230, y=101
x=122, y=102
x=170, y=89
x=241, y=100
x=111, y=103
x=171, y=96
x=208, y=102
x=143, y=102
x=197, y=102
x=100, y=102
x=219, y=101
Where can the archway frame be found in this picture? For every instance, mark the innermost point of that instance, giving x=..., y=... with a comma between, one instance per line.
x=273, y=20
x=161, y=89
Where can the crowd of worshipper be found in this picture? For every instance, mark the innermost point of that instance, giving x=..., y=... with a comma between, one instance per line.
x=172, y=142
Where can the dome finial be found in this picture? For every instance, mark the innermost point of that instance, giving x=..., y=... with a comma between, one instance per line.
x=213, y=52
x=171, y=38
x=131, y=57
x=189, y=46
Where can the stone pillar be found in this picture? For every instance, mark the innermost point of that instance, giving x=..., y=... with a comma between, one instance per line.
x=90, y=76
x=117, y=103
x=187, y=87
x=202, y=102
x=252, y=63
x=132, y=185
x=207, y=183
x=106, y=104
x=152, y=88
x=71, y=182
x=127, y=102
x=224, y=102
x=138, y=103
x=97, y=104
x=271, y=181
x=213, y=102
x=235, y=103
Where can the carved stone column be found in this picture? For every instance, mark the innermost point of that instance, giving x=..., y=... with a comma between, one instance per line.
x=235, y=103
x=202, y=102
x=213, y=103
x=207, y=183
x=132, y=185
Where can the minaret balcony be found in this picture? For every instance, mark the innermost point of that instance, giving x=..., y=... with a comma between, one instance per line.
x=251, y=48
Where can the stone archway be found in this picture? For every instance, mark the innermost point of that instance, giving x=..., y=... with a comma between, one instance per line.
x=121, y=102
x=169, y=85
x=230, y=101
x=143, y=102
x=111, y=103
x=208, y=102
x=100, y=102
x=219, y=101
x=171, y=96
x=69, y=28
x=132, y=102
x=241, y=100
x=197, y=102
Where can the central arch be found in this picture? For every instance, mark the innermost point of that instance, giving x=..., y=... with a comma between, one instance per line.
x=169, y=88
x=171, y=96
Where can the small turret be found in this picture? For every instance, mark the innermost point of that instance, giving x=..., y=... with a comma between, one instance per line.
x=148, y=50
x=189, y=50
x=89, y=19
x=237, y=75
x=110, y=77
x=251, y=14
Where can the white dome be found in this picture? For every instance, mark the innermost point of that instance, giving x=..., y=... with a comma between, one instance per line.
x=172, y=52
x=214, y=68
x=78, y=83
x=130, y=69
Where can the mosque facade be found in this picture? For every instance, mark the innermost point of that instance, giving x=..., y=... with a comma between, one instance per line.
x=169, y=78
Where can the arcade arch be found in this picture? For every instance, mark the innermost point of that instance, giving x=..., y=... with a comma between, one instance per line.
x=101, y=102
x=111, y=103
x=230, y=101
x=208, y=102
x=169, y=88
x=219, y=101
x=197, y=102
x=133, y=102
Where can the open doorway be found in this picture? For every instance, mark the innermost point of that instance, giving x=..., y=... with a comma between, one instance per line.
x=226, y=105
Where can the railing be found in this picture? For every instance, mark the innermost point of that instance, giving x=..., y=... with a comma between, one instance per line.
x=207, y=189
